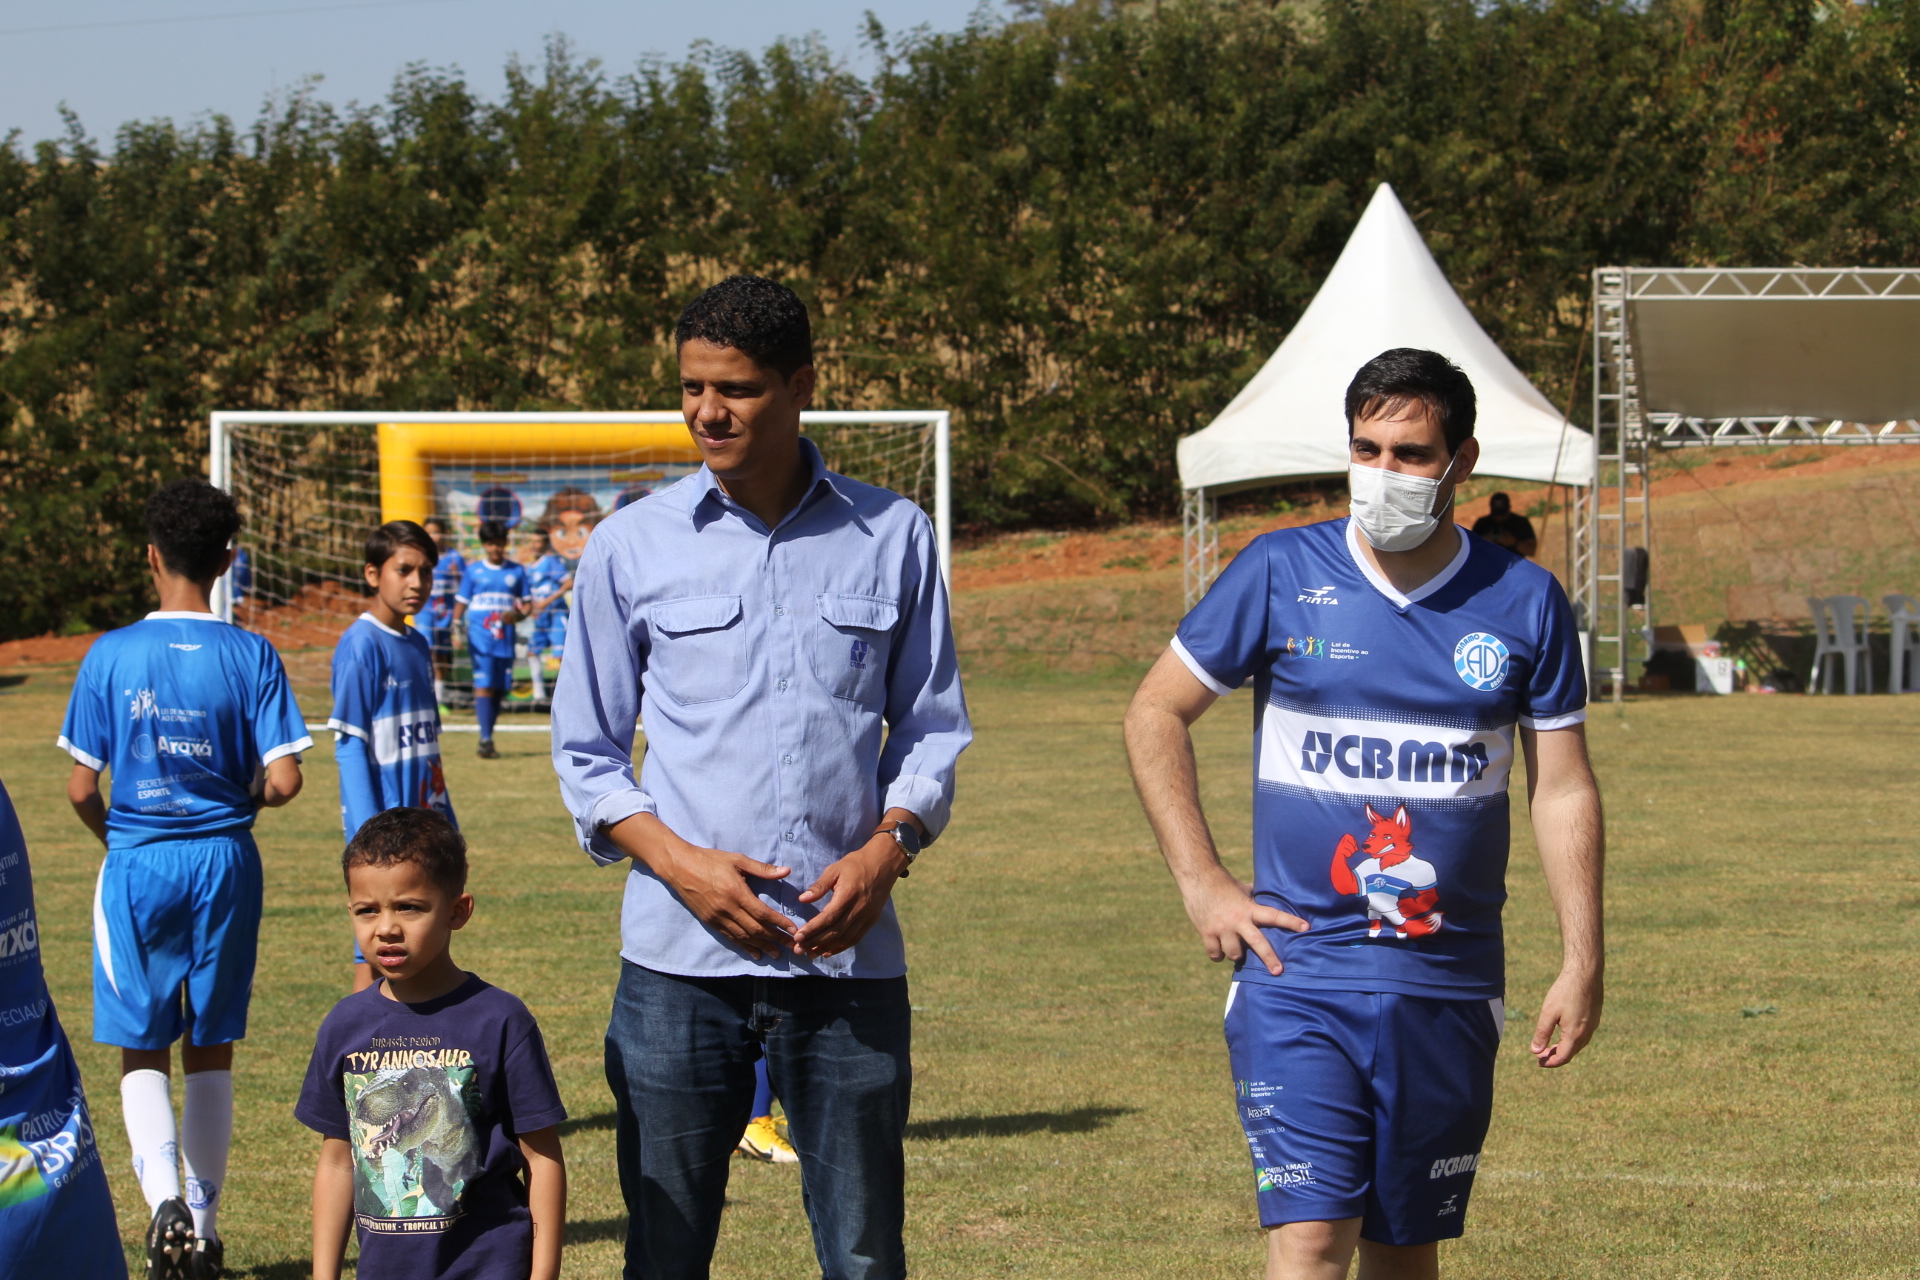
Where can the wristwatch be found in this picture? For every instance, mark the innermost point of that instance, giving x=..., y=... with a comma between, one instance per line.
x=908, y=837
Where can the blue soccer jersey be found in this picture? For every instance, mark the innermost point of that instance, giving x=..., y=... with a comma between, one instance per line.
x=185, y=711
x=1383, y=742
x=547, y=575
x=56, y=1214
x=489, y=591
x=447, y=572
x=386, y=724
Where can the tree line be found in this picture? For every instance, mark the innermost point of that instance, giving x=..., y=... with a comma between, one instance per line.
x=1081, y=227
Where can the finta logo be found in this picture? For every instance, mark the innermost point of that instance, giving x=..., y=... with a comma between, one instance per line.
x=1360, y=757
x=184, y=648
x=1315, y=595
x=1311, y=647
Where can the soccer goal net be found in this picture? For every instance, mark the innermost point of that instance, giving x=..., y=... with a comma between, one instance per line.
x=312, y=485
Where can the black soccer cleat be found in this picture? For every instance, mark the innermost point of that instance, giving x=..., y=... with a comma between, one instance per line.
x=170, y=1241
x=208, y=1261
x=487, y=750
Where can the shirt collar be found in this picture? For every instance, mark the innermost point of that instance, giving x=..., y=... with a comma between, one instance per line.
x=369, y=618
x=1399, y=599
x=818, y=477
x=177, y=615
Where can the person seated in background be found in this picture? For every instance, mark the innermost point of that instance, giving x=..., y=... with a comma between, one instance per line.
x=1502, y=527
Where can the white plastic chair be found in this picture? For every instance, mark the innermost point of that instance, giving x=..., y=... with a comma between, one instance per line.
x=1904, y=613
x=1840, y=630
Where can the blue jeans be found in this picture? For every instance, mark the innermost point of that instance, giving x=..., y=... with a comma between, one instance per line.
x=680, y=1058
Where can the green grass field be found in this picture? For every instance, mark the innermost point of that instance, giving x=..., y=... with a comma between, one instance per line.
x=1742, y=1112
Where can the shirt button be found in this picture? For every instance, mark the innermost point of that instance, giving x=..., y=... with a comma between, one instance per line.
x=786, y=759
x=788, y=837
x=778, y=609
x=782, y=686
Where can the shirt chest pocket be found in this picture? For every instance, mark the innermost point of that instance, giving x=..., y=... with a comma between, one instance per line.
x=699, y=649
x=852, y=641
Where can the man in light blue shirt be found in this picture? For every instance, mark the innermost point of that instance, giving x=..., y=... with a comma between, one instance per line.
x=781, y=633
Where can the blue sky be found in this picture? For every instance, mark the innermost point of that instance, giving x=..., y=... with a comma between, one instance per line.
x=121, y=60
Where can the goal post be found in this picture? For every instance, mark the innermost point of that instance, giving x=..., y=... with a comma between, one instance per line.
x=312, y=484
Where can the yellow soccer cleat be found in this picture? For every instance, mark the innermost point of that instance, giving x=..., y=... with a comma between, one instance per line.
x=762, y=1141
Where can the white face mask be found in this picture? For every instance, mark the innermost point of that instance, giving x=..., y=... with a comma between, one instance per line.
x=1395, y=511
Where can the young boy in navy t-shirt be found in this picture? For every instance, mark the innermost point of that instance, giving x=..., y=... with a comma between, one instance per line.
x=431, y=1090
x=386, y=720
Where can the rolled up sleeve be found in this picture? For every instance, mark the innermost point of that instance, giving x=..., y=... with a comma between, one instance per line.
x=926, y=709
x=595, y=706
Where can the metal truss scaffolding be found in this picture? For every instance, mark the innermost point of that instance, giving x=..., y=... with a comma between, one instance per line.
x=1199, y=542
x=1612, y=516
x=1853, y=321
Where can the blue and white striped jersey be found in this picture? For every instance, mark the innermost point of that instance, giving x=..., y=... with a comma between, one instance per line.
x=1384, y=729
x=386, y=724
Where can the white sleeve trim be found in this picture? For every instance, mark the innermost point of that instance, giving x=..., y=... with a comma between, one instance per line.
x=1541, y=724
x=287, y=749
x=1199, y=672
x=351, y=730
x=98, y=766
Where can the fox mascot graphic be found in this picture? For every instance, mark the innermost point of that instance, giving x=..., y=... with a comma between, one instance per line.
x=1400, y=889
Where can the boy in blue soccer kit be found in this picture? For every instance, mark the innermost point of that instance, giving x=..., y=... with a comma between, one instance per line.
x=198, y=727
x=1396, y=663
x=56, y=1213
x=439, y=619
x=549, y=578
x=386, y=719
x=492, y=598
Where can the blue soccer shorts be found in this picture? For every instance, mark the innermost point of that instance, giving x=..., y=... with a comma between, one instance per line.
x=549, y=633
x=492, y=674
x=1362, y=1104
x=176, y=927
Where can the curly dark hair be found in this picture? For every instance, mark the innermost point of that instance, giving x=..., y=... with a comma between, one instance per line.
x=493, y=531
x=1394, y=378
x=192, y=523
x=420, y=836
x=763, y=319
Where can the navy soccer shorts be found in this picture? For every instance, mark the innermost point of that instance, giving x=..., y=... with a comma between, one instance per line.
x=1362, y=1104
x=493, y=674
x=172, y=920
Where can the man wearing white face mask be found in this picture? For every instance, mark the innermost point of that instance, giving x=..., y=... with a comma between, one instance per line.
x=1397, y=663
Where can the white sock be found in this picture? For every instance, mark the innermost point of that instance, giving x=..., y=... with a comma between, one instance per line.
x=206, y=1135
x=537, y=668
x=439, y=690
x=146, y=1102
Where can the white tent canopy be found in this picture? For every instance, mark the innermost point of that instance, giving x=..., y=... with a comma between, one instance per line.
x=1385, y=291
